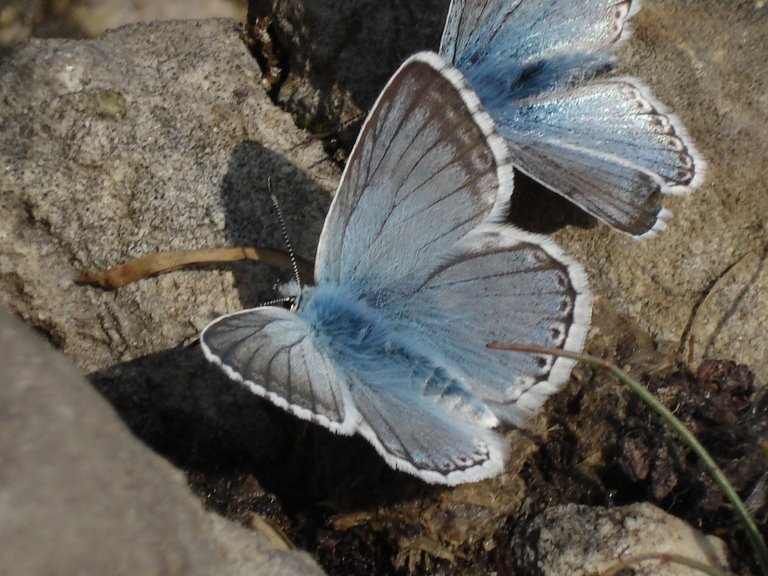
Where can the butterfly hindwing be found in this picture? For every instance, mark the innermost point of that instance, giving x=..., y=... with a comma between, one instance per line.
x=419, y=436
x=620, y=195
x=271, y=350
x=606, y=146
x=501, y=284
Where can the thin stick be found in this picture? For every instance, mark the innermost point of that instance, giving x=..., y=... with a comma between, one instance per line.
x=666, y=559
x=160, y=262
x=755, y=538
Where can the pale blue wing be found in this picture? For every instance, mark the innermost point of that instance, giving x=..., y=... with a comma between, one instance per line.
x=416, y=435
x=273, y=352
x=328, y=363
x=426, y=168
x=607, y=147
x=499, y=284
x=510, y=40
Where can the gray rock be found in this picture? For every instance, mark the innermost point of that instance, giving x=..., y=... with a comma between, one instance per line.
x=583, y=540
x=80, y=495
x=154, y=137
x=93, y=17
x=86, y=18
x=726, y=325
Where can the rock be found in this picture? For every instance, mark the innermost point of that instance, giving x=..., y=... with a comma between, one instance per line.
x=85, y=18
x=154, y=137
x=723, y=325
x=340, y=55
x=582, y=540
x=93, y=17
x=80, y=495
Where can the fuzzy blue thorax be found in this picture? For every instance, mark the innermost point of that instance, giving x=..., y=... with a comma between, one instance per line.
x=382, y=353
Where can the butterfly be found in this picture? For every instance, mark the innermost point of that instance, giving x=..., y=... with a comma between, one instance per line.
x=415, y=273
x=603, y=143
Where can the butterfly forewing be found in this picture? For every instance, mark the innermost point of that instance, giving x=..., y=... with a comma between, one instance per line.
x=525, y=30
x=426, y=169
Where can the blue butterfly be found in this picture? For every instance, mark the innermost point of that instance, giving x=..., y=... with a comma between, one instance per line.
x=605, y=144
x=415, y=274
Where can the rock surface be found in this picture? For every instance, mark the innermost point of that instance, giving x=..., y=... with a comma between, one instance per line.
x=80, y=495
x=340, y=54
x=85, y=18
x=583, y=540
x=155, y=137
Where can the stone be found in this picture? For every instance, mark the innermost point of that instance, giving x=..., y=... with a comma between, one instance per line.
x=79, y=494
x=582, y=540
x=724, y=326
x=340, y=54
x=87, y=18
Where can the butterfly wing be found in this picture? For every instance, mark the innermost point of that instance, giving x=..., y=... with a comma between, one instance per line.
x=271, y=351
x=517, y=32
x=337, y=365
x=419, y=436
x=430, y=415
x=607, y=145
x=426, y=168
x=501, y=284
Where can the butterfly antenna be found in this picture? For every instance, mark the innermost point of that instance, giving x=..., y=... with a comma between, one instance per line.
x=290, y=299
x=284, y=230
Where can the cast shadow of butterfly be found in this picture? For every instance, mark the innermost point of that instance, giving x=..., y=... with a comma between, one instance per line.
x=346, y=55
x=538, y=209
x=187, y=410
x=250, y=218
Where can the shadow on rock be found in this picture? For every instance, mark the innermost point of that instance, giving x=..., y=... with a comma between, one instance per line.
x=252, y=220
x=538, y=209
x=190, y=412
x=340, y=54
